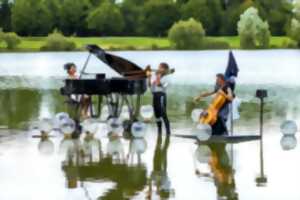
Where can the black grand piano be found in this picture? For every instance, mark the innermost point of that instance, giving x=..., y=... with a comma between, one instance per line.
x=117, y=92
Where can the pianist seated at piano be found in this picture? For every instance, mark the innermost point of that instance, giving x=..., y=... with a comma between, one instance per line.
x=158, y=84
x=83, y=101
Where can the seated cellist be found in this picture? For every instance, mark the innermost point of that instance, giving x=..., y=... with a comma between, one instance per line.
x=219, y=127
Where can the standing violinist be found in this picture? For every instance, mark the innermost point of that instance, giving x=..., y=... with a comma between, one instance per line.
x=158, y=85
x=220, y=128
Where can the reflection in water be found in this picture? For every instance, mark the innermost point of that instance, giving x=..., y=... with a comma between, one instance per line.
x=86, y=165
x=288, y=142
x=46, y=146
x=115, y=149
x=22, y=105
x=261, y=180
x=85, y=162
x=92, y=148
x=18, y=106
x=159, y=177
x=137, y=147
x=222, y=173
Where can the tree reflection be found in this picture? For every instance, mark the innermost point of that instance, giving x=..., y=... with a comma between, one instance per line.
x=18, y=106
x=128, y=179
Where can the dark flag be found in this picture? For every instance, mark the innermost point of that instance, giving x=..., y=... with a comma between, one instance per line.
x=232, y=71
x=232, y=67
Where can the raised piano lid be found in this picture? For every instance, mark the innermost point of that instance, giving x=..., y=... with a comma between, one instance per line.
x=120, y=65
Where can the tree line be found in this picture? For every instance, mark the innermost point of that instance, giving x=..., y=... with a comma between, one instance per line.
x=136, y=17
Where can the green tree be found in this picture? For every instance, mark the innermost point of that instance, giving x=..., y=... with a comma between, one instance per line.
x=294, y=31
x=132, y=15
x=181, y=2
x=31, y=17
x=137, y=2
x=296, y=9
x=54, y=7
x=209, y=12
x=278, y=13
x=106, y=19
x=5, y=15
x=96, y=2
x=187, y=34
x=231, y=15
x=253, y=31
x=72, y=17
x=159, y=16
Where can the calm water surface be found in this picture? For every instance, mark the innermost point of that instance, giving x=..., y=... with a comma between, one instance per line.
x=165, y=168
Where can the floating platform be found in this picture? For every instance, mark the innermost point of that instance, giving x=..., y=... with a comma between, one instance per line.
x=224, y=139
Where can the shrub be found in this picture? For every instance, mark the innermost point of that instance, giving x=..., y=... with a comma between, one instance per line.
x=154, y=46
x=1, y=35
x=187, y=34
x=58, y=42
x=295, y=31
x=289, y=44
x=130, y=47
x=215, y=44
x=11, y=39
x=253, y=31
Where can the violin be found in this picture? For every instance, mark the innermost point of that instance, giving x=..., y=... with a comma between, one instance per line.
x=149, y=70
x=210, y=115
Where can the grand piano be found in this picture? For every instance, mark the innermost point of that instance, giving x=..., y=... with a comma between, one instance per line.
x=115, y=92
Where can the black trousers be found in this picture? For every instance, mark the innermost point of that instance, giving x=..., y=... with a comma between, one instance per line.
x=220, y=128
x=160, y=111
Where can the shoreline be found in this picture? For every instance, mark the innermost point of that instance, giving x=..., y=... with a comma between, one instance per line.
x=33, y=44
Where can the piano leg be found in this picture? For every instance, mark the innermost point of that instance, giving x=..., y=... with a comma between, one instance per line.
x=100, y=100
x=98, y=107
x=127, y=103
x=113, y=103
x=137, y=107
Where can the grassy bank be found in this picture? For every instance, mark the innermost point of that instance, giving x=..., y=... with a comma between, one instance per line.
x=131, y=43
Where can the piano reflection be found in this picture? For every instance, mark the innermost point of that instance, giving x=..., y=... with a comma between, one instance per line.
x=115, y=92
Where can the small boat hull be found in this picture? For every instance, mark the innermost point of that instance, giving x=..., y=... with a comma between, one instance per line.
x=224, y=139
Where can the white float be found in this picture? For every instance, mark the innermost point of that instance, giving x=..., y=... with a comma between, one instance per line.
x=138, y=129
x=138, y=146
x=115, y=126
x=288, y=142
x=45, y=125
x=289, y=127
x=68, y=126
x=195, y=115
x=147, y=112
x=90, y=125
x=202, y=131
x=203, y=154
x=46, y=147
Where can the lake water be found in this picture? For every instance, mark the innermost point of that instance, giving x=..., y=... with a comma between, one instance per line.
x=173, y=168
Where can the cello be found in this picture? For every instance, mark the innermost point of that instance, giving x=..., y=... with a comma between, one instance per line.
x=210, y=115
